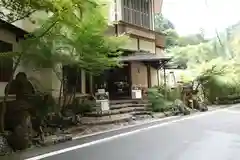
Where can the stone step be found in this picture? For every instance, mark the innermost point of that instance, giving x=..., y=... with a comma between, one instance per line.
x=142, y=113
x=125, y=105
x=132, y=101
x=117, y=111
x=106, y=119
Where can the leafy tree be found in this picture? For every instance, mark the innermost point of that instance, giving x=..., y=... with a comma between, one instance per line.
x=15, y=10
x=191, y=40
x=162, y=24
x=165, y=26
x=171, y=38
x=72, y=33
x=211, y=64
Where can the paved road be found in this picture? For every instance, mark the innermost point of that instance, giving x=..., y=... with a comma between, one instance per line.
x=214, y=135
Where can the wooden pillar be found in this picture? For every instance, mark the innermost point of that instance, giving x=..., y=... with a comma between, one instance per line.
x=149, y=76
x=130, y=79
x=165, y=83
x=91, y=84
x=83, y=81
x=164, y=75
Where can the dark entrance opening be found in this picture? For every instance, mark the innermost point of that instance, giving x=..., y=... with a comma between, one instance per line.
x=117, y=81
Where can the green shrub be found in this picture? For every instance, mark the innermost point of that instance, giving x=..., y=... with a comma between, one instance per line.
x=214, y=87
x=43, y=104
x=82, y=106
x=157, y=100
x=174, y=93
x=170, y=94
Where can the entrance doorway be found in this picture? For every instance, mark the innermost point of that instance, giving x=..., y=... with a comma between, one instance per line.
x=117, y=81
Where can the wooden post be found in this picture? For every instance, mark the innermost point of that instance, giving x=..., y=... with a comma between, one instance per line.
x=149, y=76
x=165, y=83
x=158, y=80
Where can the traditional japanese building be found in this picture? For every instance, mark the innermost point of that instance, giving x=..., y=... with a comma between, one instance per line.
x=143, y=54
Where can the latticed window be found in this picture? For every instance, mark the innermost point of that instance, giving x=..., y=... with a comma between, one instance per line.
x=137, y=12
x=6, y=63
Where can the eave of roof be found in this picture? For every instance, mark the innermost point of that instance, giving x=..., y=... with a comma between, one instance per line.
x=12, y=28
x=144, y=56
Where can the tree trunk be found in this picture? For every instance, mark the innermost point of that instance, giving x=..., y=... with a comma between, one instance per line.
x=4, y=104
x=60, y=94
x=61, y=85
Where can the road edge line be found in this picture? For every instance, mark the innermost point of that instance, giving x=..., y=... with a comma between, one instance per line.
x=123, y=135
x=124, y=127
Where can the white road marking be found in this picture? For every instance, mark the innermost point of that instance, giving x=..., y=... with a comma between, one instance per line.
x=125, y=127
x=122, y=135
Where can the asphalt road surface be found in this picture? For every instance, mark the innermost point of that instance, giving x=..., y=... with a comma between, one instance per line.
x=207, y=136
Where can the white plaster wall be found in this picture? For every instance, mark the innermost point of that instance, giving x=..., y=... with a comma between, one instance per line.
x=119, y=10
x=152, y=15
x=169, y=77
x=154, y=78
x=8, y=37
x=147, y=46
x=114, y=9
x=131, y=44
x=161, y=77
x=177, y=73
x=159, y=51
x=44, y=78
x=139, y=74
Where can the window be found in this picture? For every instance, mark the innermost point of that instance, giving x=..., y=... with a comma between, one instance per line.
x=6, y=63
x=73, y=79
x=137, y=12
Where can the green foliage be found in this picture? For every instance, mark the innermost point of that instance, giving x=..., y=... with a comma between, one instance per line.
x=212, y=65
x=20, y=9
x=219, y=78
x=43, y=104
x=160, y=102
x=215, y=87
x=193, y=39
x=162, y=24
x=170, y=94
x=199, y=53
x=73, y=34
x=172, y=38
x=82, y=107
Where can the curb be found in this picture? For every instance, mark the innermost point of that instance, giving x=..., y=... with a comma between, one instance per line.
x=161, y=117
x=58, y=140
x=70, y=137
x=125, y=127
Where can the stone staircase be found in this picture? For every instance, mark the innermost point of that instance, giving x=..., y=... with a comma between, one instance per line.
x=120, y=111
